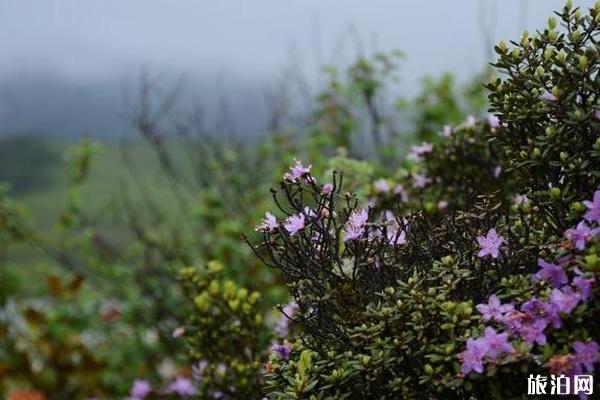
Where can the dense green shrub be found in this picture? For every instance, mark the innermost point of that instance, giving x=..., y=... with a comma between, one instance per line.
x=394, y=296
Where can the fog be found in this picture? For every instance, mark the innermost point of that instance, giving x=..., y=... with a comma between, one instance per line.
x=68, y=66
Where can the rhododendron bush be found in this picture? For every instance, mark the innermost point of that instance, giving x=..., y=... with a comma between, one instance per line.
x=453, y=262
x=475, y=266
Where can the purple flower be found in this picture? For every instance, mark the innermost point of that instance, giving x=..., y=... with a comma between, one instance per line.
x=552, y=273
x=140, y=389
x=268, y=224
x=327, y=188
x=355, y=226
x=584, y=285
x=496, y=343
x=586, y=355
x=282, y=325
x=282, y=350
x=593, y=207
x=533, y=331
x=381, y=186
x=198, y=369
x=565, y=300
x=494, y=121
x=494, y=309
x=470, y=121
x=581, y=234
x=294, y=224
x=547, y=96
x=538, y=309
x=597, y=114
x=472, y=357
x=446, y=131
x=490, y=244
x=420, y=181
x=401, y=192
x=181, y=386
x=497, y=171
x=297, y=171
x=521, y=199
x=417, y=152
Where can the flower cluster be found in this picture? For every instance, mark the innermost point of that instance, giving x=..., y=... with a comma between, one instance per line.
x=530, y=322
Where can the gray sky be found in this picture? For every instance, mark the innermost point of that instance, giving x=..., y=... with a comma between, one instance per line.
x=86, y=44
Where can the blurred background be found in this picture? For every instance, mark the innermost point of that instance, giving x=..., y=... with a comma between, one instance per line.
x=69, y=66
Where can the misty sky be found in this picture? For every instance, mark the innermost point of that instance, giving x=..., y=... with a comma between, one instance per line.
x=60, y=54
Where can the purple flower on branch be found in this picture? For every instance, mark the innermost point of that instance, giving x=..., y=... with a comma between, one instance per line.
x=297, y=171
x=547, y=96
x=584, y=285
x=472, y=358
x=181, y=386
x=587, y=354
x=565, y=299
x=140, y=389
x=355, y=226
x=581, y=234
x=490, y=244
x=494, y=309
x=417, y=151
x=593, y=207
x=294, y=224
x=552, y=273
x=496, y=343
x=268, y=224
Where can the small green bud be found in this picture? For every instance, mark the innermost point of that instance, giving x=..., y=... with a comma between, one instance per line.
x=583, y=62
x=569, y=5
x=548, y=53
x=563, y=156
x=555, y=192
x=539, y=72
x=502, y=46
x=536, y=153
x=592, y=260
x=561, y=56
x=428, y=369
x=552, y=23
x=550, y=131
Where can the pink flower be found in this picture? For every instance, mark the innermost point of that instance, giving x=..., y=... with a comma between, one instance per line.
x=581, y=234
x=490, y=244
x=472, y=357
x=552, y=273
x=494, y=309
x=140, y=389
x=593, y=212
x=268, y=224
x=297, y=171
x=420, y=181
x=417, y=152
x=327, y=188
x=547, y=96
x=294, y=224
x=494, y=121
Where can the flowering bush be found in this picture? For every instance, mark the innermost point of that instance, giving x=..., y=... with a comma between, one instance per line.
x=475, y=266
